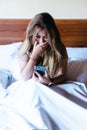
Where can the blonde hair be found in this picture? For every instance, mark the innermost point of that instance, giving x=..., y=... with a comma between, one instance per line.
x=54, y=53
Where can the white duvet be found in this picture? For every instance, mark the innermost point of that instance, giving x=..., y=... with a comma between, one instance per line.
x=33, y=106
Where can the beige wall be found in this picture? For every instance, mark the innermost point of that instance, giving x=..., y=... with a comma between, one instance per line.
x=62, y=9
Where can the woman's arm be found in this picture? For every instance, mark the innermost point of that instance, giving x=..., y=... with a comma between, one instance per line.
x=28, y=61
x=27, y=66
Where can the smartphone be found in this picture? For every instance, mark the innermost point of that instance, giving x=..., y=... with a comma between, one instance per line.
x=40, y=69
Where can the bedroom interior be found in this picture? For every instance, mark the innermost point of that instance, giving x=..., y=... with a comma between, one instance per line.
x=70, y=98
x=32, y=106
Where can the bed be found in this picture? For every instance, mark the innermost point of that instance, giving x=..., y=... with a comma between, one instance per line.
x=33, y=106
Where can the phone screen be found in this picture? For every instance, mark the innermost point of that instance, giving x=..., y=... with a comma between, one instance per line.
x=40, y=69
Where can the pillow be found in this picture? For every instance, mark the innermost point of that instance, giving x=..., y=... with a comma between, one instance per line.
x=5, y=78
x=77, y=71
x=7, y=54
x=15, y=71
x=77, y=52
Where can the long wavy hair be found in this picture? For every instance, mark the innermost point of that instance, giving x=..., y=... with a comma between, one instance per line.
x=53, y=55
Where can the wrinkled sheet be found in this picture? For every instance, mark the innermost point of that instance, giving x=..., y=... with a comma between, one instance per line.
x=32, y=106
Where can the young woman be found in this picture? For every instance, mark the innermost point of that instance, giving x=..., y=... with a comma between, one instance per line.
x=43, y=46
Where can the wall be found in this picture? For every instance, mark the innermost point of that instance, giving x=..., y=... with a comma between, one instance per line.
x=61, y=9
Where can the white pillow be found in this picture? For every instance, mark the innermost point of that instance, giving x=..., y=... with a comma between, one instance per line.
x=15, y=71
x=5, y=78
x=77, y=52
x=7, y=54
x=77, y=71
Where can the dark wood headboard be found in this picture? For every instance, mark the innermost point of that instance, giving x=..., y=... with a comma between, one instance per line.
x=73, y=32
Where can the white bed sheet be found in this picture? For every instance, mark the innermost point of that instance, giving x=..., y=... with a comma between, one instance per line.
x=33, y=106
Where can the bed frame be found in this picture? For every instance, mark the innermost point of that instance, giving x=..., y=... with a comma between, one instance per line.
x=73, y=32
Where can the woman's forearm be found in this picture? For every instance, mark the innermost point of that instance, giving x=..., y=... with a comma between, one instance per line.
x=27, y=66
x=28, y=69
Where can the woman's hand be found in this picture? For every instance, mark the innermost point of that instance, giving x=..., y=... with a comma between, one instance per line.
x=39, y=48
x=45, y=79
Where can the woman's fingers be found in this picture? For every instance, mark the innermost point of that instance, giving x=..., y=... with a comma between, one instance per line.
x=46, y=74
x=39, y=48
x=37, y=74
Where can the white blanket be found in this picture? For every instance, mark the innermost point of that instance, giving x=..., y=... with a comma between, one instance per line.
x=33, y=106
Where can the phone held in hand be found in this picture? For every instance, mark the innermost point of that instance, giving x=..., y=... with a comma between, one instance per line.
x=40, y=69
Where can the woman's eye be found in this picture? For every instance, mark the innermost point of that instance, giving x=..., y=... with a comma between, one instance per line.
x=46, y=37
x=37, y=36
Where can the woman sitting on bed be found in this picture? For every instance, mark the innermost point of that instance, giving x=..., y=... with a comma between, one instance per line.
x=43, y=46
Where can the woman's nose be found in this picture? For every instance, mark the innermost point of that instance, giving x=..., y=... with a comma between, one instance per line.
x=42, y=39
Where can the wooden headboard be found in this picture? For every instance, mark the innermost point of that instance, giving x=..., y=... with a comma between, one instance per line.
x=73, y=32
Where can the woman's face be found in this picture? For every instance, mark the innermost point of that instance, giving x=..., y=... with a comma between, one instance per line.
x=41, y=36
